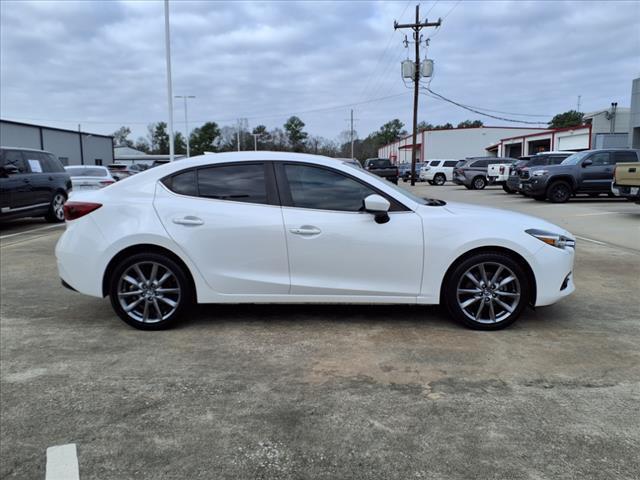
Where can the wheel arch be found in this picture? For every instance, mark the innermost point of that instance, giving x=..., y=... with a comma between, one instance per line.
x=144, y=248
x=568, y=179
x=494, y=249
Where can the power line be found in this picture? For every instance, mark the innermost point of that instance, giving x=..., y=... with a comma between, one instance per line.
x=446, y=15
x=475, y=110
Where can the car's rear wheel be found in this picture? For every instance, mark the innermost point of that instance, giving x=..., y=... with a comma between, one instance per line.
x=149, y=291
x=487, y=291
x=559, y=192
x=56, y=208
x=439, y=179
x=479, y=183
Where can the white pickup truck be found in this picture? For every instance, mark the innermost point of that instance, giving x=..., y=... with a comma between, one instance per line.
x=498, y=173
x=438, y=171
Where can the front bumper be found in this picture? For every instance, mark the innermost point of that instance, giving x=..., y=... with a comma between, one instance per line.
x=513, y=183
x=533, y=186
x=553, y=270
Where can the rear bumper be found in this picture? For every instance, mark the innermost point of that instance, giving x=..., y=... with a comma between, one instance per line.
x=625, y=191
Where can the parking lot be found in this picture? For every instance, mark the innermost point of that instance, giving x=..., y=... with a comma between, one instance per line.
x=304, y=391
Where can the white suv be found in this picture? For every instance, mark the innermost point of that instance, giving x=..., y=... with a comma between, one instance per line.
x=437, y=172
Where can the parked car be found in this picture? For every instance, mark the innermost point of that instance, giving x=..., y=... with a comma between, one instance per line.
x=120, y=172
x=473, y=172
x=498, y=173
x=89, y=177
x=520, y=169
x=626, y=181
x=33, y=183
x=382, y=167
x=351, y=161
x=588, y=172
x=404, y=170
x=437, y=172
x=406, y=176
x=275, y=227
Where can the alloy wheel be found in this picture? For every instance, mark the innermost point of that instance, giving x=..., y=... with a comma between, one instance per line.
x=488, y=292
x=148, y=292
x=439, y=179
x=479, y=183
x=57, y=206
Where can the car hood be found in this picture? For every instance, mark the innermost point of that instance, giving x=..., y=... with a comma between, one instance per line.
x=499, y=216
x=552, y=168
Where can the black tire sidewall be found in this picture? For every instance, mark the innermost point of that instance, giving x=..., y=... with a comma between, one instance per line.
x=185, y=287
x=476, y=179
x=554, y=187
x=451, y=285
x=439, y=179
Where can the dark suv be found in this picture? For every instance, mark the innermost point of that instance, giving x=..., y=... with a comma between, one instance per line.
x=519, y=171
x=590, y=172
x=33, y=183
x=473, y=172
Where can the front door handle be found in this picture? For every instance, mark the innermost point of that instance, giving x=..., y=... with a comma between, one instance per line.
x=306, y=230
x=189, y=220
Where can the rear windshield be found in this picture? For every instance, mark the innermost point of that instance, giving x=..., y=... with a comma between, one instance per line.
x=378, y=163
x=86, y=172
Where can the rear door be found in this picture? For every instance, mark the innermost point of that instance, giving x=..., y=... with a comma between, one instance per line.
x=228, y=220
x=337, y=249
x=16, y=189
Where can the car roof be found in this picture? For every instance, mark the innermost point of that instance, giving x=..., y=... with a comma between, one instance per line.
x=25, y=149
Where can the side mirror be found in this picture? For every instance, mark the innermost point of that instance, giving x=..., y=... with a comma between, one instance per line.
x=8, y=170
x=379, y=206
x=587, y=162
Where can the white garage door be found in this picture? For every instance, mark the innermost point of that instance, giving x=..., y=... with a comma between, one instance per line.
x=574, y=142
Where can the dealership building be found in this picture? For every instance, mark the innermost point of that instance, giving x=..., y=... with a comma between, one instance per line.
x=71, y=147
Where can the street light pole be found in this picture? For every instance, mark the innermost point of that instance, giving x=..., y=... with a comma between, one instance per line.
x=255, y=140
x=186, y=120
x=167, y=42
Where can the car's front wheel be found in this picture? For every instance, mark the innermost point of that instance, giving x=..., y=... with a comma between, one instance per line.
x=487, y=291
x=559, y=192
x=439, y=179
x=56, y=208
x=149, y=291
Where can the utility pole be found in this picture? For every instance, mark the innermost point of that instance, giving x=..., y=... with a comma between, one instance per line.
x=186, y=121
x=81, y=145
x=579, y=98
x=238, y=135
x=167, y=43
x=255, y=140
x=416, y=27
x=351, y=134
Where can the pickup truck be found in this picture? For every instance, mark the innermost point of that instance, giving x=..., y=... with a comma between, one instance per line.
x=626, y=181
x=589, y=172
x=382, y=167
x=520, y=169
x=498, y=174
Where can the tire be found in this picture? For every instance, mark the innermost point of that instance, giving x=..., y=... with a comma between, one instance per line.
x=475, y=305
x=56, y=208
x=395, y=180
x=559, y=192
x=160, y=308
x=507, y=189
x=431, y=182
x=479, y=182
x=539, y=198
x=439, y=179
x=468, y=187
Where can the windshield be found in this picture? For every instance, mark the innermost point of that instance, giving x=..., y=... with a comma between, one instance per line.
x=574, y=159
x=86, y=172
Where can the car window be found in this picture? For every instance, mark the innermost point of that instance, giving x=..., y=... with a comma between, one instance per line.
x=35, y=161
x=322, y=189
x=238, y=183
x=183, y=183
x=542, y=160
x=450, y=163
x=556, y=160
x=621, y=157
x=14, y=157
x=51, y=163
x=86, y=172
x=378, y=163
x=481, y=163
x=600, y=159
x=435, y=163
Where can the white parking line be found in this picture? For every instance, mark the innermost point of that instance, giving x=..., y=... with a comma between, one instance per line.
x=591, y=240
x=62, y=463
x=595, y=213
x=46, y=227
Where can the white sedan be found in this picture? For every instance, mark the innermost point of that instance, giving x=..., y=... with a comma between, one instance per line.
x=274, y=227
x=89, y=177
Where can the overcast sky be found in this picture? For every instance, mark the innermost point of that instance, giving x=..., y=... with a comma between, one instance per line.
x=102, y=64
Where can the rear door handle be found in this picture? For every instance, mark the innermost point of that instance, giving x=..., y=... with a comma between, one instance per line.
x=189, y=220
x=306, y=230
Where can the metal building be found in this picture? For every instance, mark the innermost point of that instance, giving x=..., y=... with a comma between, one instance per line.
x=72, y=147
x=634, y=115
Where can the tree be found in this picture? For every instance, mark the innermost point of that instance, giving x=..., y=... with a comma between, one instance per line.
x=179, y=144
x=158, y=138
x=470, y=124
x=424, y=126
x=142, y=144
x=391, y=131
x=295, y=133
x=203, y=139
x=571, y=118
x=263, y=138
x=446, y=126
x=120, y=137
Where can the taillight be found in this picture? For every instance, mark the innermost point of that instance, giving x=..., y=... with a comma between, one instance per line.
x=104, y=183
x=75, y=210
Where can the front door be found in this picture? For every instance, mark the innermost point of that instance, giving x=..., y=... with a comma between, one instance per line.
x=229, y=223
x=597, y=176
x=337, y=249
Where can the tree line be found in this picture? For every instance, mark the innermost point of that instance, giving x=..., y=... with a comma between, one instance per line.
x=292, y=137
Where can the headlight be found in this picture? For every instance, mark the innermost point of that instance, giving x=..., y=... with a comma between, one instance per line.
x=539, y=173
x=553, y=239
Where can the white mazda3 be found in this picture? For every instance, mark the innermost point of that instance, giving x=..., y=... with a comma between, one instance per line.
x=274, y=227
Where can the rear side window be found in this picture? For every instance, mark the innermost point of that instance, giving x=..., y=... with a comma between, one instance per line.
x=35, y=161
x=51, y=164
x=481, y=163
x=183, y=183
x=450, y=163
x=14, y=157
x=435, y=163
x=321, y=189
x=239, y=183
x=622, y=157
